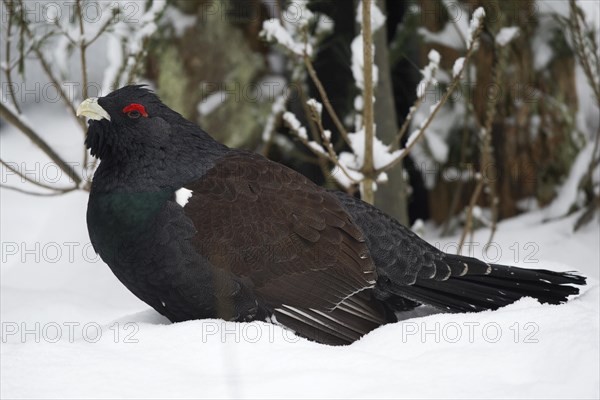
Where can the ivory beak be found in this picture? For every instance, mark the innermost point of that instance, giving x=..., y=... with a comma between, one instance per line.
x=91, y=109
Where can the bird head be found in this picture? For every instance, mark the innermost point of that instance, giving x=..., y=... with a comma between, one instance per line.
x=126, y=120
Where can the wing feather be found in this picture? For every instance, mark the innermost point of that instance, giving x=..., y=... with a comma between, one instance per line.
x=290, y=238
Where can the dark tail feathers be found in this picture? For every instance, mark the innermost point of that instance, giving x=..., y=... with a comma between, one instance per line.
x=501, y=286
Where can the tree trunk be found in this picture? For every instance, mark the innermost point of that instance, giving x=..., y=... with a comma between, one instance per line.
x=391, y=196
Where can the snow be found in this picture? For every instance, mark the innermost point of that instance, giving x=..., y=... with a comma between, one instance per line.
x=506, y=35
x=418, y=226
x=454, y=32
x=295, y=125
x=474, y=25
x=324, y=25
x=276, y=109
x=273, y=31
x=358, y=103
x=591, y=10
x=434, y=57
x=315, y=105
x=114, y=56
x=568, y=194
x=429, y=72
x=348, y=178
x=178, y=20
x=357, y=48
x=211, y=102
x=429, y=153
x=124, y=39
x=543, y=53
x=377, y=17
x=412, y=137
x=292, y=31
x=381, y=152
x=358, y=62
x=458, y=66
x=216, y=359
x=438, y=146
x=298, y=14
x=147, y=25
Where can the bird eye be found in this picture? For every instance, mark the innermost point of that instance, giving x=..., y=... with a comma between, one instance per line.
x=134, y=114
x=134, y=111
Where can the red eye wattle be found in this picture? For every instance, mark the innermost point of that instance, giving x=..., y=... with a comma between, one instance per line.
x=130, y=110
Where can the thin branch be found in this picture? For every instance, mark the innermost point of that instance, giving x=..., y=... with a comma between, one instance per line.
x=48, y=71
x=411, y=113
x=32, y=181
x=16, y=189
x=462, y=156
x=306, y=143
x=469, y=219
x=64, y=32
x=26, y=52
x=82, y=49
x=328, y=155
x=8, y=71
x=333, y=157
x=486, y=148
x=325, y=99
x=137, y=59
x=312, y=127
x=103, y=28
x=83, y=61
x=38, y=141
x=575, y=23
x=438, y=106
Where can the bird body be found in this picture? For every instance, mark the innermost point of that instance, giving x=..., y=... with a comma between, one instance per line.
x=198, y=230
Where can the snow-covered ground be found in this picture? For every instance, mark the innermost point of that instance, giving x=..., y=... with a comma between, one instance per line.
x=71, y=330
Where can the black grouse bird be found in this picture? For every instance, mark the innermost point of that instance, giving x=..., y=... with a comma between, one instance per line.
x=198, y=230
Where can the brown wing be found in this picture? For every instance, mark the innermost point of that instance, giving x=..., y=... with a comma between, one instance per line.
x=289, y=239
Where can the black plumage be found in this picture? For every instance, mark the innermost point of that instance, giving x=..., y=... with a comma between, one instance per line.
x=198, y=230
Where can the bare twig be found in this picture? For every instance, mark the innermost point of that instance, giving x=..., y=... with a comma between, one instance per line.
x=411, y=113
x=83, y=61
x=469, y=219
x=8, y=70
x=577, y=31
x=56, y=193
x=82, y=48
x=38, y=141
x=462, y=156
x=486, y=148
x=438, y=106
x=64, y=32
x=137, y=59
x=333, y=157
x=48, y=70
x=32, y=181
x=325, y=99
x=312, y=126
x=591, y=70
x=103, y=28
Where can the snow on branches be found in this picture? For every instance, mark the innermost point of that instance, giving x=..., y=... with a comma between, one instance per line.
x=366, y=158
x=475, y=26
x=507, y=35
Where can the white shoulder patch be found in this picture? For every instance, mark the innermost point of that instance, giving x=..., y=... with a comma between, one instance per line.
x=182, y=196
